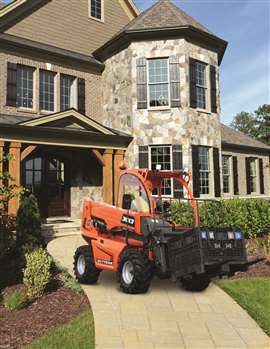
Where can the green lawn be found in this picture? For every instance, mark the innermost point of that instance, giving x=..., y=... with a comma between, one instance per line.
x=77, y=334
x=253, y=294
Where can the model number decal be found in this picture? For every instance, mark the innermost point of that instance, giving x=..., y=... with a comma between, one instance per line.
x=102, y=261
x=128, y=220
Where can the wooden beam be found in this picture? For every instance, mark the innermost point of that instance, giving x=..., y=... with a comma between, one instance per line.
x=108, y=176
x=118, y=161
x=98, y=156
x=14, y=171
x=27, y=151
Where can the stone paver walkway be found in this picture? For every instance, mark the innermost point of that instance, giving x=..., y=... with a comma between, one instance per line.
x=165, y=317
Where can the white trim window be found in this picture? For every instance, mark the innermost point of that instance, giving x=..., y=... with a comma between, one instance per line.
x=25, y=87
x=96, y=9
x=204, y=170
x=226, y=173
x=46, y=90
x=67, y=92
x=201, y=84
x=158, y=83
x=253, y=175
x=162, y=155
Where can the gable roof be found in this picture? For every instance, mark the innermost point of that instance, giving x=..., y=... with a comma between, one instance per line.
x=45, y=120
x=7, y=8
x=160, y=21
x=230, y=136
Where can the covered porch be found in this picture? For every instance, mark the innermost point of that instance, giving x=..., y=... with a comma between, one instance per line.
x=64, y=159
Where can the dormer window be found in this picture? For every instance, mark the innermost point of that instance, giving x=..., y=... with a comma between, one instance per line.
x=96, y=9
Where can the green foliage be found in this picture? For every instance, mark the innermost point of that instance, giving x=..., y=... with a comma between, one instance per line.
x=255, y=124
x=15, y=301
x=69, y=282
x=36, y=275
x=79, y=333
x=251, y=216
x=253, y=294
x=7, y=235
x=29, y=223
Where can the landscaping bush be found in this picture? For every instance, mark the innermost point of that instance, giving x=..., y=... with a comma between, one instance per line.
x=69, y=282
x=7, y=235
x=251, y=216
x=15, y=301
x=29, y=223
x=36, y=275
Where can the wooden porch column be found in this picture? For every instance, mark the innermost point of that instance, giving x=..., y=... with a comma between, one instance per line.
x=108, y=176
x=1, y=169
x=118, y=160
x=14, y=171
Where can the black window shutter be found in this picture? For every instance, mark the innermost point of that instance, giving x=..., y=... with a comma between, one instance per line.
x=213, y=82
x=174, y=81
x=11, y=84
x=177, y=158
x=195, y=171
x=192, y=83
x=235, y=176
x=143, y=156
x=141, y=83
x=216, y=172
x=81, y=96
x=248, y=178
x=261, y=174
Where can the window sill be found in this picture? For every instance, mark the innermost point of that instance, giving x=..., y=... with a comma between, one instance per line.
x=27, y=110
x=97, y=19
x=46, y=112
x=203, y=111
x=159, y=108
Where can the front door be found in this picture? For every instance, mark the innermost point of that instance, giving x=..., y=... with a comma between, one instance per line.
x=48, y=179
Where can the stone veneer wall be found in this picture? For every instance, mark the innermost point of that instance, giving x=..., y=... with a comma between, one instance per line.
x=93, y=88
x=182, y=125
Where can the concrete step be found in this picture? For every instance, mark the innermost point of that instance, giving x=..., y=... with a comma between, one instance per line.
x=55, y=229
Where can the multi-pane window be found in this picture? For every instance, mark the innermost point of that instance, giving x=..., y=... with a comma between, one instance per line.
x=33, y=173
x=66, y=92
x=161, y=155
x=25, y=86
x=253, y=175
x=96, y=8
x=200, y=69
x=204, y=168
x=226, y=173
x=158, y=82
x=46, y=90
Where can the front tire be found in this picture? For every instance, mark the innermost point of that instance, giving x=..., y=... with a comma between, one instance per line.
x=135, y=272
x=84, y=266
x=195, y=283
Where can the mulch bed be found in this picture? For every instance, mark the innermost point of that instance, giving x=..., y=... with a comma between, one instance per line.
x=18, y=328
x=260, y=269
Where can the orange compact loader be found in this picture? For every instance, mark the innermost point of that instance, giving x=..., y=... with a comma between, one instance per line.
x=138, y=237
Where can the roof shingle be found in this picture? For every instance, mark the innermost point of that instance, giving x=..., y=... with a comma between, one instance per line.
x=232, y=137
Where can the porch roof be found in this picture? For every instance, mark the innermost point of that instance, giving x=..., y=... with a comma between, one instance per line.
x=57, y=136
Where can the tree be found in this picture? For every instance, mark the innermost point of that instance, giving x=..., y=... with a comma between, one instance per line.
x=246, y=123
x=263, y=120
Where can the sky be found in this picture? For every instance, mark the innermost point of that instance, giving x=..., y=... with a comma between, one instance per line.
x=245, y=69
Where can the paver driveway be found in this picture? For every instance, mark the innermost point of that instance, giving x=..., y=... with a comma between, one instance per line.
x=165, y=317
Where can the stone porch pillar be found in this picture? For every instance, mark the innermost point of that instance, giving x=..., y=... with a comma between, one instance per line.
x=108, y=176
x=15, y=173
x=1, y=169
x=118, y=160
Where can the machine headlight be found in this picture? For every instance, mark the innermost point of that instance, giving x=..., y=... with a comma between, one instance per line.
x=204, y=235
x=230, y=235
x=238, y=235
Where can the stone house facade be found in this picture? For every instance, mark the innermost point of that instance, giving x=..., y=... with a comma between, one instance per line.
x=84, y=84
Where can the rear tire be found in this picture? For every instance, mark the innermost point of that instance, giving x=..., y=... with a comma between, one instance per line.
x=84, y=266
x=135, y=272
x=195, y=283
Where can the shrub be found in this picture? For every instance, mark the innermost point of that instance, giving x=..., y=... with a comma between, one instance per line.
x=15, y=301
x=69, y=282
x=252, y=216
x=36, y=275
x=7, y=235
x=29, y=223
